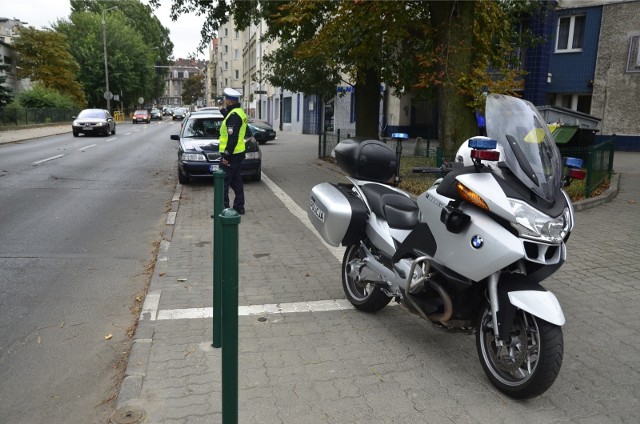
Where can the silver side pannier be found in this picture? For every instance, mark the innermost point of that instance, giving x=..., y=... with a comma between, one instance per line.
x=337, y=214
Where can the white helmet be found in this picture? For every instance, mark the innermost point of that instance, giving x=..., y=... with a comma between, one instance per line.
x=463, y=155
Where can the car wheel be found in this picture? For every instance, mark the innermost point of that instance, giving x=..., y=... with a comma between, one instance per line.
x=114, y=130
x=133, y=122
x=257, y=176
x=182, y=177
x=75, y=134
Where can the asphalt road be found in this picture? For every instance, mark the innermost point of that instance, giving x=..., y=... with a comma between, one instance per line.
x=80, y=219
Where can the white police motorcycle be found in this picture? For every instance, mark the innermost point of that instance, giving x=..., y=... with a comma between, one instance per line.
x=469, y=254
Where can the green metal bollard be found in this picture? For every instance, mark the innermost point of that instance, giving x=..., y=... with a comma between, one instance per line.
x=229, y=220
x=218, y=206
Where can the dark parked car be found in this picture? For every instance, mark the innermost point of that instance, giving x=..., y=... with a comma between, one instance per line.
x=198, y=154
x=179, y=113
x=156, y=114
x=262, y=131
x=141, y=115
x=93, y=121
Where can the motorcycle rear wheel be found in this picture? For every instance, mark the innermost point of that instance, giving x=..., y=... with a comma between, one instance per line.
x=526, y=366
x=364, y=295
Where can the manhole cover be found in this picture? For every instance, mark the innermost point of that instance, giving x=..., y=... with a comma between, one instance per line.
x=127, y=415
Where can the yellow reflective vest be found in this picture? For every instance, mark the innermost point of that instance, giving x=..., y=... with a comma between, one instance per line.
x=224, y=135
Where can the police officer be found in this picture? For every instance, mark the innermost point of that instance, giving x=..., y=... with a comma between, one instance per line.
x=232, y=148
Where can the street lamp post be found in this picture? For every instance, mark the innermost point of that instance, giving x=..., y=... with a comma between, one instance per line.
x=107, y=93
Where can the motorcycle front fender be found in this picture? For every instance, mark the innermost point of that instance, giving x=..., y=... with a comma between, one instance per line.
x=542, y=304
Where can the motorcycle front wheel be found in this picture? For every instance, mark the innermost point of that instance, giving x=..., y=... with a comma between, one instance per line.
x=529, y=363
x=364, y=295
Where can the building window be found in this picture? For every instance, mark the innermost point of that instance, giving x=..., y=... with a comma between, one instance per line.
x=226, y=49
x=570, y=33
x=286, y=110
x=237, y=74
x=633, y=62
x=226, y=65
x=226, y=32
x=236, y=54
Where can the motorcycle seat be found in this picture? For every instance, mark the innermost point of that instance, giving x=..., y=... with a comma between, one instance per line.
x=399, y=211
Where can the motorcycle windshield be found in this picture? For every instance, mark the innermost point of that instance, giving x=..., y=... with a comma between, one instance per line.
x=527, y=146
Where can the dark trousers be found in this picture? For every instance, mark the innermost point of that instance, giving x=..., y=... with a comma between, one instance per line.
x=233, y=179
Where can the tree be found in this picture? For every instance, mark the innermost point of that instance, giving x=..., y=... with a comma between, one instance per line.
x=44, y=56
x=193, y=89
x=130, y=63
x=140, y=18
x=5, y=93
x=420, y=46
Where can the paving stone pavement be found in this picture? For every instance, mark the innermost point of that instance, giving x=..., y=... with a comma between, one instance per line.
x=343, y=366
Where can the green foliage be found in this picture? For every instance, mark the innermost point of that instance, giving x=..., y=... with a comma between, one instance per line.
x=139, y=17
x=130, y=62
x=193, y=88
x=443, y=46
x=41, y=97
x=43, y=56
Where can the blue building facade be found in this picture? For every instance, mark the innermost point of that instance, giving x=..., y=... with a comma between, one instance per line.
x=573, y=56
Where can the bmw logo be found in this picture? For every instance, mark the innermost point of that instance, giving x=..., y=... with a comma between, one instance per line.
x=477, y=242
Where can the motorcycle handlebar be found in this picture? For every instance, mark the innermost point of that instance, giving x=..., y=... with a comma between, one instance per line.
x=430, y=170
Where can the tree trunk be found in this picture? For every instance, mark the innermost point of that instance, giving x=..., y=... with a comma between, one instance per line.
x=368, y=105
x=453, y=22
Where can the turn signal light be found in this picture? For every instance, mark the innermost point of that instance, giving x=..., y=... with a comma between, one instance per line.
x=471, y=196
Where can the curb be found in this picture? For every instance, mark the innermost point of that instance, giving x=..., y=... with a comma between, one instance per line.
x=601, y=199
x=131, y=386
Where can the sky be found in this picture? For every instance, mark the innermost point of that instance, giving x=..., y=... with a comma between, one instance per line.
x=185, y=32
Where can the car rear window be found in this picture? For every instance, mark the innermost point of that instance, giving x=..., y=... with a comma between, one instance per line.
x=140, y=112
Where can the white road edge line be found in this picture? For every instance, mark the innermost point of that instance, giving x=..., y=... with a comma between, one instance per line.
x=47, y=160
x=299, y=213
x=87, y=147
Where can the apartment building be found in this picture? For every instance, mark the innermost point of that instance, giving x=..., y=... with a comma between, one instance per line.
x=177, y=73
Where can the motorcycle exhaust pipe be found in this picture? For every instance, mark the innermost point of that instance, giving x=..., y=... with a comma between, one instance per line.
x=448, y=305
x=446, y=299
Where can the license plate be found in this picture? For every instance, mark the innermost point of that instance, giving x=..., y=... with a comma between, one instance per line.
x=213, y=168
x=87, y=128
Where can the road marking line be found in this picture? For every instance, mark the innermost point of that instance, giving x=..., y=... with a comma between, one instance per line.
x=299, y=213
x=269, y=309
x=47, y=160
x=150, y=306
x=87, y=147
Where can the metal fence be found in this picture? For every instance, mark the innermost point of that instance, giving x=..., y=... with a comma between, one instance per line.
x=598, y=162
x=598, y=158
x=414, y=147
x=10, y=116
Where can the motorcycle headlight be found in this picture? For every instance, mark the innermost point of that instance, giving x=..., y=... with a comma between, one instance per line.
x=193, y=157
x=533, y=224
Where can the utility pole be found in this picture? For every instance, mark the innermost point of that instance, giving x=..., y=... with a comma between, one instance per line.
x=107, y=94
